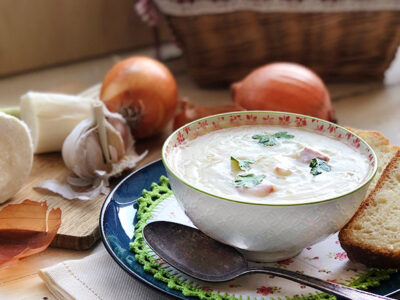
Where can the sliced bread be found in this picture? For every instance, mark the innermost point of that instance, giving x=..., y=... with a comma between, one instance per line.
x=372, y=236
x=384, y=151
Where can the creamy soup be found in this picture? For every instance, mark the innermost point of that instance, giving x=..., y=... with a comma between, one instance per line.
x=269, y=164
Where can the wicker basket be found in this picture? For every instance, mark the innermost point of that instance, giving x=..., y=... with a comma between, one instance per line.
x=224, y=40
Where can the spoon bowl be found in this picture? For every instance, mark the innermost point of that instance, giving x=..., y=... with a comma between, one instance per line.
x=194, y=253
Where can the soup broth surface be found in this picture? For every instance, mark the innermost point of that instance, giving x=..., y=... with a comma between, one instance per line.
x=278, y=166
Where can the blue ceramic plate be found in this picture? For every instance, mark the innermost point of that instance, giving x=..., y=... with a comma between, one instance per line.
x=117, y=220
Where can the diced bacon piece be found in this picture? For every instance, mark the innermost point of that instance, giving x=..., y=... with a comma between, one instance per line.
x=308, y=154
x=261, y=190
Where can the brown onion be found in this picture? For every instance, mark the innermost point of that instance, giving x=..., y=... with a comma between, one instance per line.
x=285, y=87
x=144, y=92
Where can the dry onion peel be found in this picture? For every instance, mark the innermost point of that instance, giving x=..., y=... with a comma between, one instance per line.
x=190, y=111
x=26, y=228
x=98, y=148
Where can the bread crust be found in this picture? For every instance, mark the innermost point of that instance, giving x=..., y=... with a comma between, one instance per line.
x=371, y=258
x=380, y=139
x=374, y=135
x=367, y=254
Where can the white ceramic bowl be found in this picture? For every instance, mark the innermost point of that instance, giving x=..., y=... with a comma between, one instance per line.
x=265, y=232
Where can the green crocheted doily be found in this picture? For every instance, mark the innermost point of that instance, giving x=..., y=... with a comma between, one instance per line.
x=160, y=192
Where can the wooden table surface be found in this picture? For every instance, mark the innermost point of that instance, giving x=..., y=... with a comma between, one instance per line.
x=359, y=105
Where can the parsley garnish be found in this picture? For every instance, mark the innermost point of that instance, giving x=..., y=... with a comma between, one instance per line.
x=283, y=135
x=318, y=165
x=248, y=180
x=243, y=164
x=270, y=140
x=265, y=139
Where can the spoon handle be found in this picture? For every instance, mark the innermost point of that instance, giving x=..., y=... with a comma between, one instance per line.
x=332, y=288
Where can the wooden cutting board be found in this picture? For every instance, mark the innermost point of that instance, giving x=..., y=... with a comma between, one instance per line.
x=80, y=219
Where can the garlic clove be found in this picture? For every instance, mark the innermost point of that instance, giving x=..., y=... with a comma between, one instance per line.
x=115, y=140
x=119, y=124
x=92, y=158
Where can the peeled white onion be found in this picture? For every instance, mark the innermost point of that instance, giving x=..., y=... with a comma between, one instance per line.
x=16, y=155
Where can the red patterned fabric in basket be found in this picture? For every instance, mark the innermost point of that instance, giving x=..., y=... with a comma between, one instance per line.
x=147, y=9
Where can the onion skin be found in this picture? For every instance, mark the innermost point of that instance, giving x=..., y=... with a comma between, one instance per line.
x=284, y=87
x=144, y=91
x=190, y=112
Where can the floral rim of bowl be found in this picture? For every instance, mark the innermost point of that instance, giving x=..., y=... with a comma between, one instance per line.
x=283, y=118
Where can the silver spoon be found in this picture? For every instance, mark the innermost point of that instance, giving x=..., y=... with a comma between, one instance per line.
x=199, y=256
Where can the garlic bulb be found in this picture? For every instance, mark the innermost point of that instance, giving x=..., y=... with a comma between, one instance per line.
x=83, y=152
x=97, y=148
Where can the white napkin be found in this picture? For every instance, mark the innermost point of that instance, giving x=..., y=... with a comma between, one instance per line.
x=96, y=276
